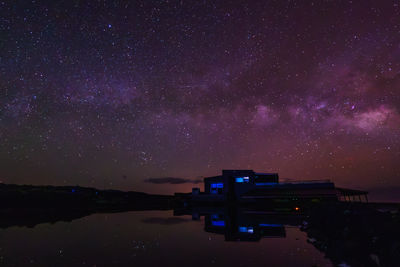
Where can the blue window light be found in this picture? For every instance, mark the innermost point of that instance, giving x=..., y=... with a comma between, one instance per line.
x=218, y=223
x=217, y=185
x=239, y=180
x=245, y=179
x=244, y=229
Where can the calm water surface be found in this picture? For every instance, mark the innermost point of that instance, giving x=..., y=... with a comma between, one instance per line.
x=149, y=238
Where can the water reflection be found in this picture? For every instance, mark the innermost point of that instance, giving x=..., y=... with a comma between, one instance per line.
x=243, y=224
x=148, y=238
x=225, y=236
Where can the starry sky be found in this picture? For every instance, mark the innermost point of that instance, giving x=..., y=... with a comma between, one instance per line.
x=153, y=95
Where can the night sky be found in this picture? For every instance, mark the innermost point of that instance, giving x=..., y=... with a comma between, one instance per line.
x=152, y=95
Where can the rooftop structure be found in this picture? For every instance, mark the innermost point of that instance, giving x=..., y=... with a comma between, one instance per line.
x=249, y=186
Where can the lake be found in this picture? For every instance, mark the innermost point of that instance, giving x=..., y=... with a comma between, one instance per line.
x=156, y=238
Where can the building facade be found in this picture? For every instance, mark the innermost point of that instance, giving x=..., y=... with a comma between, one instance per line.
x=232, y=184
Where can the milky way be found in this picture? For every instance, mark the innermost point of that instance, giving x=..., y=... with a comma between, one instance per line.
x=112, y=93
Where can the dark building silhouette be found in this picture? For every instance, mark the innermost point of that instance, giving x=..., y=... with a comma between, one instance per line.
x=234, y=183
x=249, y=186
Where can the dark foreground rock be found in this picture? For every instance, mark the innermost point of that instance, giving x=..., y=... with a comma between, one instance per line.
x=354, y=234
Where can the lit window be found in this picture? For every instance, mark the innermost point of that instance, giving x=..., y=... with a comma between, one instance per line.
x=245, y=179
x=217, y=185
x=244, y=229
x=218, y=223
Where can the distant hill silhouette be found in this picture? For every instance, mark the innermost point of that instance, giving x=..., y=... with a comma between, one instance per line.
x=28, y=205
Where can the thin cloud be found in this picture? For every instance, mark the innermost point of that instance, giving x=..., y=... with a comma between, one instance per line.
x=171, y=180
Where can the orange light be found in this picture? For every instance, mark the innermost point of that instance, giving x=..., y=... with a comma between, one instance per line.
x=297, y=208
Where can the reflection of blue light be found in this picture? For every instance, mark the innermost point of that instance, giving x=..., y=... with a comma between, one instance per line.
x=242, y=229
x=73, y=190
x=218, y=185
x=266, y=183
x=218, y=223
x=270, y=225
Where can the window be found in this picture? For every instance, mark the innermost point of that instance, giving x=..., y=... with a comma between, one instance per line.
x=218, y=223
x=217, y=185
x=216, y=188
x=245, y=179
x=214, y=191
x=216, y=220
x=244, y=229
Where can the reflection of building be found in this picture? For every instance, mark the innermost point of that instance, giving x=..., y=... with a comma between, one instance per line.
x=249, y=186
x=242, y=228
x=241, y=224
